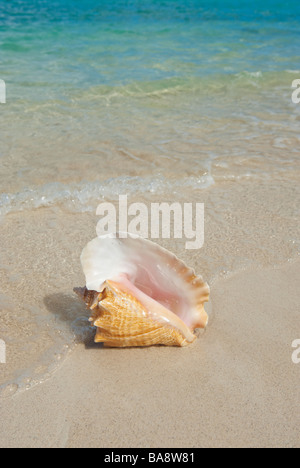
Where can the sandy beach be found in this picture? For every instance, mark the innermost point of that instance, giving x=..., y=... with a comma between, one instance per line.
x=167, y=103
x=236, y=386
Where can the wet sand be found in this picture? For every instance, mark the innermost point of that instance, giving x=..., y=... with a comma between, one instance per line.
x=236, y=386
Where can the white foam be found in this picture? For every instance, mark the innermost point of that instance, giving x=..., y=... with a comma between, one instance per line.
x=84, y=196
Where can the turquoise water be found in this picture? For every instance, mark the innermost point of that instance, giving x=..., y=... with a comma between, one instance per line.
x=51, y=49
x=146, y=84
x=194, y=89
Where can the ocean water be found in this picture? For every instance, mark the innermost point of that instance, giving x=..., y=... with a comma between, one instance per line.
x=160, y=100
x=167, y=86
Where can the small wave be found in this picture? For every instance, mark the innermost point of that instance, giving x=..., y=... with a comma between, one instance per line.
x=60, y=99
x=244, y=82
x=83, y=197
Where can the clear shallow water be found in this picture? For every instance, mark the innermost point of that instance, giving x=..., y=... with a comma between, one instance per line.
x=125, y=88
x=161, y=100
x=49, y=51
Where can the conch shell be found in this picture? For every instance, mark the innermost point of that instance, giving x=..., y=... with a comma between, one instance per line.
x=141, y=294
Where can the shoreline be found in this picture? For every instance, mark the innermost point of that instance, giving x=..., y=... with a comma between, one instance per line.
x=239, y=374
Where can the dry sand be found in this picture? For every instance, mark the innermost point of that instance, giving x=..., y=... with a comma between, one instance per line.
x=235, y=387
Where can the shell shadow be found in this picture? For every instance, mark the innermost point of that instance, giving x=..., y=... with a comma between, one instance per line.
x=72, y=313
